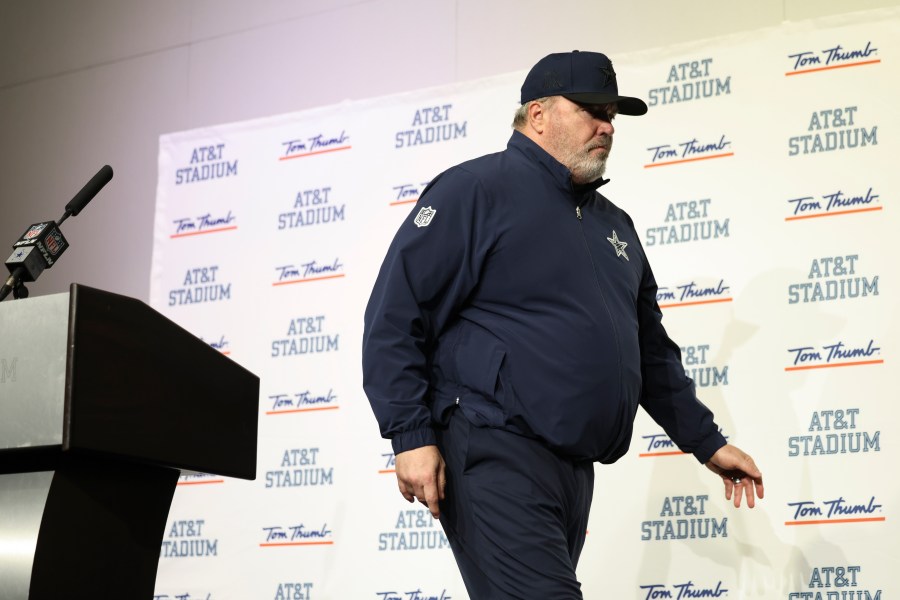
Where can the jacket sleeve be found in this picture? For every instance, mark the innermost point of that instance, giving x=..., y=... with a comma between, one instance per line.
x=429, y=271
x=668, y=394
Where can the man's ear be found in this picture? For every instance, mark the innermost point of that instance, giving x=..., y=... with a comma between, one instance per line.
x=537, y=116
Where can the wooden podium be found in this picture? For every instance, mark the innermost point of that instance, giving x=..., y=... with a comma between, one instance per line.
x=103, y=402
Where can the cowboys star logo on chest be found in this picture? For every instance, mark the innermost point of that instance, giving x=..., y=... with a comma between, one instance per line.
x=618, y=244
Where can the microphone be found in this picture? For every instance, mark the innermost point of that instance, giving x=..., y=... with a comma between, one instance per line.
x=43, y=243
x=88, y=192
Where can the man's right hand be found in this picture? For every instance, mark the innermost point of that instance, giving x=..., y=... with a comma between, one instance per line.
x=420, y=476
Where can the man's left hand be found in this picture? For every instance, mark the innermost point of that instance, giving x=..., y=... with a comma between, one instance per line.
x=739, y=473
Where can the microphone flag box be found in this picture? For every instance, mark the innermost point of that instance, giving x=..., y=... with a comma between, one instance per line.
x=38, y=249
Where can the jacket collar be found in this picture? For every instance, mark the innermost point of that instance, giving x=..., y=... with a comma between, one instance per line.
x=559, y=172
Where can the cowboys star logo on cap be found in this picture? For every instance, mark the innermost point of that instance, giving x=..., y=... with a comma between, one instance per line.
x=618, y=245
x=426, y=214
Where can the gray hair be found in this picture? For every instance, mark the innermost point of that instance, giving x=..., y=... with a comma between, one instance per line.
x=521, y=116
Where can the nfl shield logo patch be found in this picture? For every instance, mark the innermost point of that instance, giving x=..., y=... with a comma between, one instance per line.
x=53, y=243
x=426, y=214
x=34, y=231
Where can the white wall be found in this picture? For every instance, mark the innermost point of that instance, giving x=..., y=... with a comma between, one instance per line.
x=92, y=82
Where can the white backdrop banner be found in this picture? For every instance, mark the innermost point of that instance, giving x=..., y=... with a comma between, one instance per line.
x=762, y=186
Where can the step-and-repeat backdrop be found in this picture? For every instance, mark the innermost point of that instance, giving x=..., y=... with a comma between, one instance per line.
x=764, y=183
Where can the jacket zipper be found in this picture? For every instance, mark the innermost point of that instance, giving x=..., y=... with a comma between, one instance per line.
x=615, y=331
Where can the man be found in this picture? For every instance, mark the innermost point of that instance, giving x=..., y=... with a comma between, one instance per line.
x=512, y=332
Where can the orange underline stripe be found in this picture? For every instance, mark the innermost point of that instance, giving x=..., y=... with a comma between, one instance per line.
x=697, y=302
x=314, y=153
x=675, y=453
x=864, y=520
x=298, y=410
x=200, y=482
x=179, y=235
x=387, y=471
x=309, y=279
x=395, y=203
x=297, y=544
x=856, y=64
x=846, y=364
x=831, y=214
x=686, y=160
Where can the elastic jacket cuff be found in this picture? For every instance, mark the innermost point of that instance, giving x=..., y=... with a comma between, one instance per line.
x=410, y=440
x=709, y=446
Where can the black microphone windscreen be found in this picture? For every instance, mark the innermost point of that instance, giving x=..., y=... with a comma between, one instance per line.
x=89, y=190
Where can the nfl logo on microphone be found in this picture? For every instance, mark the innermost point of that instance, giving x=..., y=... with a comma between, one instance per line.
x=34, y=231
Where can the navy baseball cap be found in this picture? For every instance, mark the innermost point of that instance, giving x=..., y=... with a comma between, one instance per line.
x=583, y=77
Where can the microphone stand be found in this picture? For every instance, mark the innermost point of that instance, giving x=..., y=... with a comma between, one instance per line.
x=14, y=284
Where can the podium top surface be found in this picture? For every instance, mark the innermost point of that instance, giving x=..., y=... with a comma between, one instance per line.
x=92, y=371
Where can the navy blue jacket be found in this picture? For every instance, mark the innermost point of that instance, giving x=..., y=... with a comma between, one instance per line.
x=529, y=303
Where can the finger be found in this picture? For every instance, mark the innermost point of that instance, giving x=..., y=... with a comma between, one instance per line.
x=735, y=492
x=738, y=493
x=432, y=499
x=442, y=481
x=419, y=493
x=405, y=490
x=758, y=484
x=729, y=487
x=751, y=496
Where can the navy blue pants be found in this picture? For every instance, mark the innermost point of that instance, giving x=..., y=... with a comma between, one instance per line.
x=515, y=513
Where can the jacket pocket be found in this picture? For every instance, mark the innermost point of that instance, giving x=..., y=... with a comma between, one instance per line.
x=480, y=359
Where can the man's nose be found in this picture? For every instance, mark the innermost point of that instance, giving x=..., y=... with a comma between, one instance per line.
x=605, y=127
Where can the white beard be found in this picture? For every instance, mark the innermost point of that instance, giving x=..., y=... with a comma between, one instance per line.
x=586, y=169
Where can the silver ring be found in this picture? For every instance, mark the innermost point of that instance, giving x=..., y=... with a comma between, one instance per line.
x=736, y=480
